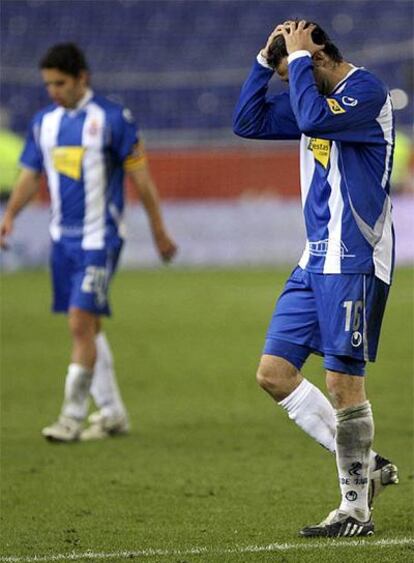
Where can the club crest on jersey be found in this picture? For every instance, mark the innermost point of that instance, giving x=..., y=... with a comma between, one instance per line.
x=68, y=161
x=321, y=149
x=93, y=128
x=335, y=106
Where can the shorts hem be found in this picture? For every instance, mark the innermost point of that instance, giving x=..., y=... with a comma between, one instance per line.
x=347, y=355
x=312, y=349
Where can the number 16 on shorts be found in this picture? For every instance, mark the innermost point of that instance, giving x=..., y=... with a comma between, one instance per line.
x=353, y=320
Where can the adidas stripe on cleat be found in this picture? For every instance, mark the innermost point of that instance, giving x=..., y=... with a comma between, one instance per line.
x=339, y=525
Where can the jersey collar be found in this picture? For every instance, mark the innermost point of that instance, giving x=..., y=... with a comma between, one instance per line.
x=86, y=98
x=353, y=69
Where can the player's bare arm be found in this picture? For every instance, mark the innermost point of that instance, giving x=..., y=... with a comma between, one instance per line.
x=298, y=37
x=145, y=186
x=26, y=186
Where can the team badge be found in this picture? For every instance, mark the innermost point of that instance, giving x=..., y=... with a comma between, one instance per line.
x=93, y=128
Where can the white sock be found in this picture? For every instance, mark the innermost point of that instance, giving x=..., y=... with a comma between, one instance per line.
x=354, y=436
x=104, y=389
x=313, y=412
x=77, y=385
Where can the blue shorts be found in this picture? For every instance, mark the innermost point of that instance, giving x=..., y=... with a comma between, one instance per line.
x=80, y=278
x=338, y=316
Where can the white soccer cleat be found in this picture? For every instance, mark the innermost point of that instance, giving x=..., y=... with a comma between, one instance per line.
x=65, y=429
x=101, y=427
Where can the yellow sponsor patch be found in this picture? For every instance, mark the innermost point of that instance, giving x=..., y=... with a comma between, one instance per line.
x=68, y=161
x=334, y=106
x=321, y=149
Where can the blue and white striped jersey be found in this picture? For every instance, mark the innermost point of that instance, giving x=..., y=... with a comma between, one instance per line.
x=84, y=153
x=346, y=152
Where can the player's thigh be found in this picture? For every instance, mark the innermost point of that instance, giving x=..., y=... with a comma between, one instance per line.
x=91, y=283
x=293, y=331
x=350, y=311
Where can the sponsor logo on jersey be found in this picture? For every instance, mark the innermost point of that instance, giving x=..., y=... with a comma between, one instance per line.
x=321, y=149
x=335, y=106
x=68, y=161
x=348, y=101
x=320, y=248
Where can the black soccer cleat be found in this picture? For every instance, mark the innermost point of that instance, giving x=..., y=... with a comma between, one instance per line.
x=384, y=474
x=339, y=525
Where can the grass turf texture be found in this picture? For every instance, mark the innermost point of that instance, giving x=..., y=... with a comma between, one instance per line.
x=211, y=462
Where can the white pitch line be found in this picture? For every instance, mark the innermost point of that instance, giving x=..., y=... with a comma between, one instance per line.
x=205, y=550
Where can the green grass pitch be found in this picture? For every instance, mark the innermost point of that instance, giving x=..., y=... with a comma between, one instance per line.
x=211, y=462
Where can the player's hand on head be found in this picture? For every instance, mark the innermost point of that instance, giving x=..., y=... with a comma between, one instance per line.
x=298, y=37
x=166, y=247
x=277, y=31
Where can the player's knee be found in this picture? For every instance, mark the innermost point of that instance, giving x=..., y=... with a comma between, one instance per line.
x=277, y=376
x=80, y=327
x=264, y=377
x=272, y=381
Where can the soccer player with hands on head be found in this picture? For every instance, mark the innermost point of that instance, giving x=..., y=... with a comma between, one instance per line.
x=86, y=144
x=334, y=301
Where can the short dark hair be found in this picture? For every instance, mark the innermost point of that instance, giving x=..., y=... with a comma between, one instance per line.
x=277, y=50
x=66, y=57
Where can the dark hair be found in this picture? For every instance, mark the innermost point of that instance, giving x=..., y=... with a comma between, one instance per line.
x=66, y=57
x=277, y=50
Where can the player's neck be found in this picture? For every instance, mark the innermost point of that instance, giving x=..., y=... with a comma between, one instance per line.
x=338, y=73
x=82, y=96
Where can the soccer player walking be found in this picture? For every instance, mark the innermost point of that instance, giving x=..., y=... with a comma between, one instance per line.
x=333, y=302
x=85, y=144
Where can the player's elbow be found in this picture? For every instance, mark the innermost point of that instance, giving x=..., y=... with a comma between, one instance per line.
x=311, y=126
x=242, y=127
x=307, y=127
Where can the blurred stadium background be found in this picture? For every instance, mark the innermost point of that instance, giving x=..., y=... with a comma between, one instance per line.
x=209, y=461
x=178, y=65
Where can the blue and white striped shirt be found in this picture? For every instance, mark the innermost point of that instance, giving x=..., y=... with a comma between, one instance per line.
x=84, y=153
x=346, y=152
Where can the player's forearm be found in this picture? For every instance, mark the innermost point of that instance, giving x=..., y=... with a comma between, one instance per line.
x=259, y=116
x=151, y=203
x=249, y=116
x=26, y=187
x=144, y=184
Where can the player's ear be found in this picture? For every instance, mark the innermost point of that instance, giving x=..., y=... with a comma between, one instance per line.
x=83, y=77
x=319, y=58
